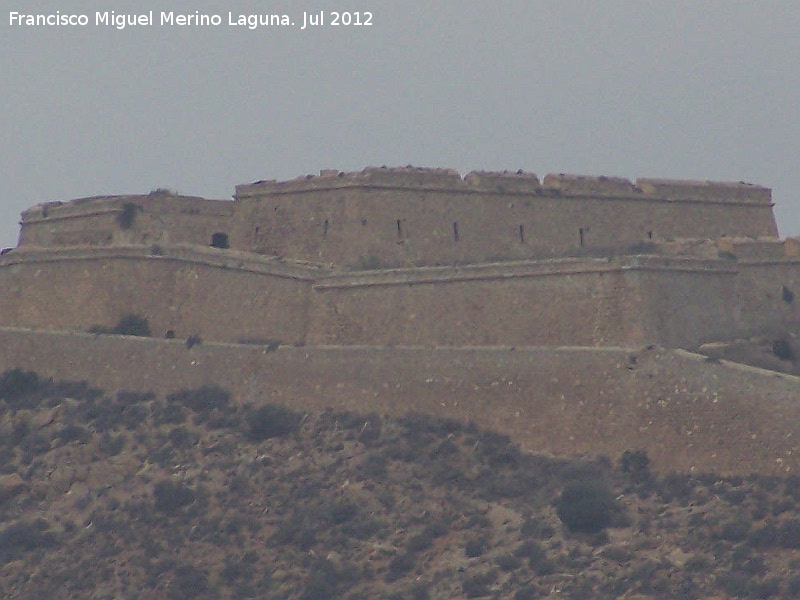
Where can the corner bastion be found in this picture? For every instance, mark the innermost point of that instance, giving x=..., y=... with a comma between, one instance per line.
x=419, y=264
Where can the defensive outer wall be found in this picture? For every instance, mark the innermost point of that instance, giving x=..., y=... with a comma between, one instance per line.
x=689, y=414
x=397, y=289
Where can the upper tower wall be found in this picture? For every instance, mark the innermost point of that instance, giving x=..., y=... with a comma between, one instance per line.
x=396, y=217
x=410, y=216
x=159, y=217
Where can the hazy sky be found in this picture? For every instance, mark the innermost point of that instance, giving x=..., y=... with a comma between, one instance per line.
x=698, y=90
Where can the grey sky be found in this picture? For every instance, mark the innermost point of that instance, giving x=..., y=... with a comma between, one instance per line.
x=706, y=90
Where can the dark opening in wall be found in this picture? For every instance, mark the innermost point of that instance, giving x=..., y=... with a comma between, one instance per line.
x=325, y=229
x=402, y=234
x=455, y=231
x=649, y=235
x=580, y=235
x=522, y=234
x=127, y=216
x=219, y=240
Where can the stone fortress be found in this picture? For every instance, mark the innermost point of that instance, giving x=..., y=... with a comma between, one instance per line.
x=548, y=309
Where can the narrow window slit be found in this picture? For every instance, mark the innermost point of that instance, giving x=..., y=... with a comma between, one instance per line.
x=522, y=234
x=580, y=234
x=325, y=229
x=455, y=231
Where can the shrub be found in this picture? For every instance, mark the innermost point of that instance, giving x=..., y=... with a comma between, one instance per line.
x=374, y=465
x=24, y=536
x=783, y=349
x=419, y=591
x=477, y=586
x=763, y=537
x=365, y=528
x=399, y=566
x=128, y=325
x=586, y=507
x=538, y=528
x=133, y=325
x=370, y=262
x=476, y=547
x=736, y=529
x=73, y=433
x=536, y=554
x=676, y=485
x=272, y=421
x=171, y=496
x=527, y=592
x=734, y=583
x=445, y=449
x=341, y=512
x=370, y=432
x=204, y=399
x=793, y=586
x=236, y=569
x=636, y=463
x=189, y=582
x=16, y=383
x=419, y=542
x=426, y=423
x=697, y=563
x=111, y=445
x=789, y=533
x=766, y=588
x=167, y=413
x=792, y=486
x=508, y=562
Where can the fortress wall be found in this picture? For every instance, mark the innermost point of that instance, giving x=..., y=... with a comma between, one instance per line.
x=352, y=225
x=588, y=302
x=158, y=218
x=765, y=308
x=188, y=297
x=96, y=228
x=565, y=302
x=228, y=296
x=686, y=413
x=687, y=302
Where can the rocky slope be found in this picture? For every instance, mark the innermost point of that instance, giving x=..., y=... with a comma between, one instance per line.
x=120, y=495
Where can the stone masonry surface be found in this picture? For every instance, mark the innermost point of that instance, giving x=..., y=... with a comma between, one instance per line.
x=404, y=288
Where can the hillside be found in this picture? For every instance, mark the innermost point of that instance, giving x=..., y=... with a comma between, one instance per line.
x=118, y=494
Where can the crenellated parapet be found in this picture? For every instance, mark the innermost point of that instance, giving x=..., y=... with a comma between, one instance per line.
x=521, y=182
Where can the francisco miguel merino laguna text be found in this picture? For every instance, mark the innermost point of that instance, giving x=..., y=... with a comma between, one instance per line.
x=196, y=19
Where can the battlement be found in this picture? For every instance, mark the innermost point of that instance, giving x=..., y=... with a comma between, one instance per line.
x=705, y=191
x=157, y=201
x=518, y=182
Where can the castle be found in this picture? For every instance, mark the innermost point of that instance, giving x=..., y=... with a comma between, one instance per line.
x=421, y=268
